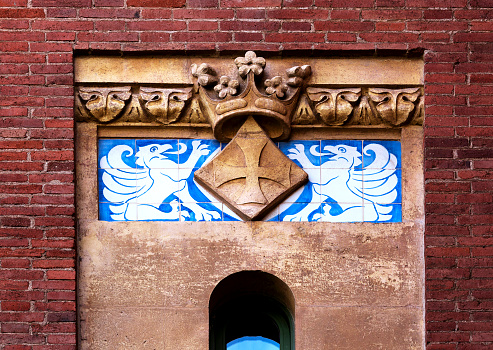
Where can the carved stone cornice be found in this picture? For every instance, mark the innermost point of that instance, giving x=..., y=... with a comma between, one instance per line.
x=224, y=100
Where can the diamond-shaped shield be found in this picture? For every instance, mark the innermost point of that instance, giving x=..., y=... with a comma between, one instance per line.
x=251, y=175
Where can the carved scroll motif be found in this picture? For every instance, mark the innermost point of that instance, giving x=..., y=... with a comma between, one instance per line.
x=101, y=103
x=395, y=107
x=165, y=105
x=334, y=106
x=144, y=105
x=367, y=106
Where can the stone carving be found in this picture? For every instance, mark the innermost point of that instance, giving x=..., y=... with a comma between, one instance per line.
x=395, y=107
x=102, y=104
x=226, y=107
x=334, y=106
x=165, y=105
x=367, y=106
x=224, y=101
x=147, y=105
x=251, y=174
x=304, y=114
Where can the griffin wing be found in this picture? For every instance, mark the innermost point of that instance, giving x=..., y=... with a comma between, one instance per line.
x=377, y=182
x=121, y=183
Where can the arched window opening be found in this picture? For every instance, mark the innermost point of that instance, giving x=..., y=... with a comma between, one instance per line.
x=251, y=310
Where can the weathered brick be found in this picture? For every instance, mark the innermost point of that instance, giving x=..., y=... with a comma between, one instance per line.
x=156, y=3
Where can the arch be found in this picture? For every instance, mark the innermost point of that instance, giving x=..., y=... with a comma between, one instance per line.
x=251, y=304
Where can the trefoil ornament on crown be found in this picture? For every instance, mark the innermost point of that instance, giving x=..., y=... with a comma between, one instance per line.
x=228, y=101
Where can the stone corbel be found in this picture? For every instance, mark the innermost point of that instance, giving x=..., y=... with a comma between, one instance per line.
x=102, y=104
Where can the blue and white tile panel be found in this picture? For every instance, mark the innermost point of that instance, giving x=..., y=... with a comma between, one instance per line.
x=349, y=181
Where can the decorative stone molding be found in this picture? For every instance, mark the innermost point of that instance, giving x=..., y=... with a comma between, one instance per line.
x=366, y=106
x=101, y=104
x=131, y=104
x=222, y=98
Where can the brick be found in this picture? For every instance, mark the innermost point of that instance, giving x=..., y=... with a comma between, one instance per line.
x=196, y=14
x=15, y=305
x=354, y=3
x=109, y=13
x=305, y=14
x=13, y=3
x=248, y=37
x=201, y=37
x=61, y=317
x=157, y=26
x=21, y=13
x=250, y=13
x=344, y=27
x=15, y=328
x=251, y=3
x=202, y=25
x=60, y=275
x=345, y=14
x=389, y=37
x=294, y=37
x=61, y=3
x=156, y=3
x=203, y=3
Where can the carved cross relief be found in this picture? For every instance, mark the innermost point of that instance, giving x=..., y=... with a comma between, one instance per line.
x=251, y=174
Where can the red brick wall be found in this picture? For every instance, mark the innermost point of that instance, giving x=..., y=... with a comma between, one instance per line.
x=37, y=43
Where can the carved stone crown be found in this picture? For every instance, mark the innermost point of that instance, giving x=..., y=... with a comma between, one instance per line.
x=270, y=101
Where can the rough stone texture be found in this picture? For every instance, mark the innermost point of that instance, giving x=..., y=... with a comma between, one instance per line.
x=176, y=70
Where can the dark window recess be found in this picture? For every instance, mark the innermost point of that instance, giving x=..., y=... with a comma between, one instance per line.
x=249, y=307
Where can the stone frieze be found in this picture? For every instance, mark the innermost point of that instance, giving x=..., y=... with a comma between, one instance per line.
x=316, y=106
x=218, y=97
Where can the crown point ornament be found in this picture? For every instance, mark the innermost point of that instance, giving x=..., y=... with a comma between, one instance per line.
x=229, y=103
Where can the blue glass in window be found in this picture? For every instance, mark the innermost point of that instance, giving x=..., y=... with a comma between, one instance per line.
x=252, y=343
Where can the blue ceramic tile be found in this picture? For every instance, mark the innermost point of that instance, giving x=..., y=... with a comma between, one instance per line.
x=382, y=185
x=273, y=215
x=335, y=191
x=117, y=212
x=201, y=212
x=299, y=211
x=104, y=212
x=157, y=154
x=116, y=185
x=341, y=154
x=197, y=152
x=387, y=213
x=381, y=154
x=341, y=212
x=229, y=215
x=341, y=185
x=309, y=192
x=303, y=153
x=167, y=211
x=122, y=156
